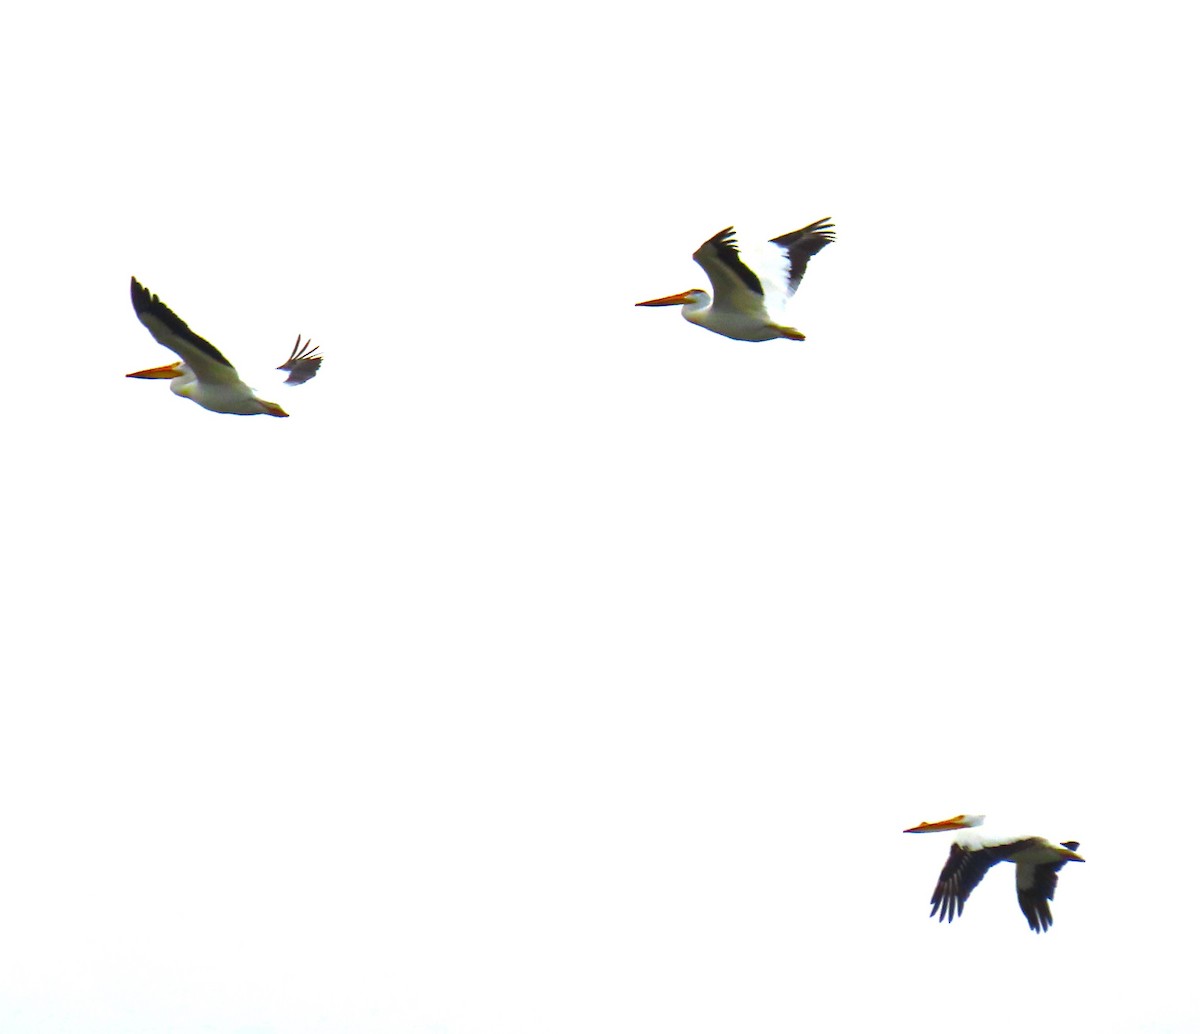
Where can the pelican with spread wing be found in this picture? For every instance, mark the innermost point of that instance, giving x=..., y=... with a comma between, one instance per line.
x=742, y=306
x=1038, y=861
x=202, y=373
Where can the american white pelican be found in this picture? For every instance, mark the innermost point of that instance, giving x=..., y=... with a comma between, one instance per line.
x=741, y=307
x=203, y=374
x=972, y=854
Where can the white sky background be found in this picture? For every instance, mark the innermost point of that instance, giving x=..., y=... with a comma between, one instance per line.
x=559, y=666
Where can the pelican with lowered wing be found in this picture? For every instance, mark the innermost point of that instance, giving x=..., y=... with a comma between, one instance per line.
x=971, y=855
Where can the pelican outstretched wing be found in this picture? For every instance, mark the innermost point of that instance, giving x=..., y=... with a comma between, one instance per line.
x=736, y=287
x=1035, y=889
x=962, y=873
x=303, y=363
x=801, y=245
x=204, y=360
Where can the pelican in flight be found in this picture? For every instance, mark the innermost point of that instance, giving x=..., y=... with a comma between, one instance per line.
x=741, y=306
x=202, y=374
x=972, y=854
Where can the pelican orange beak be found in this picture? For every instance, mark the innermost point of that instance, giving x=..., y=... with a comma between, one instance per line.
x=159, y=372
x=271, y=408
x=939, y=827
x=671, y=299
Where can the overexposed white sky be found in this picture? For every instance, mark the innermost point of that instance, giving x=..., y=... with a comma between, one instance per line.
x=559, y=667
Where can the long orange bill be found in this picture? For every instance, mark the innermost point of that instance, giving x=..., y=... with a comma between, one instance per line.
x=159, y=372
x=937, y=827
x=671, y=299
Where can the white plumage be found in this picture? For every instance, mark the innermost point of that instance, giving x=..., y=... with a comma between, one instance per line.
x=741, y=307
x=1037, y=859
x=203, y=374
